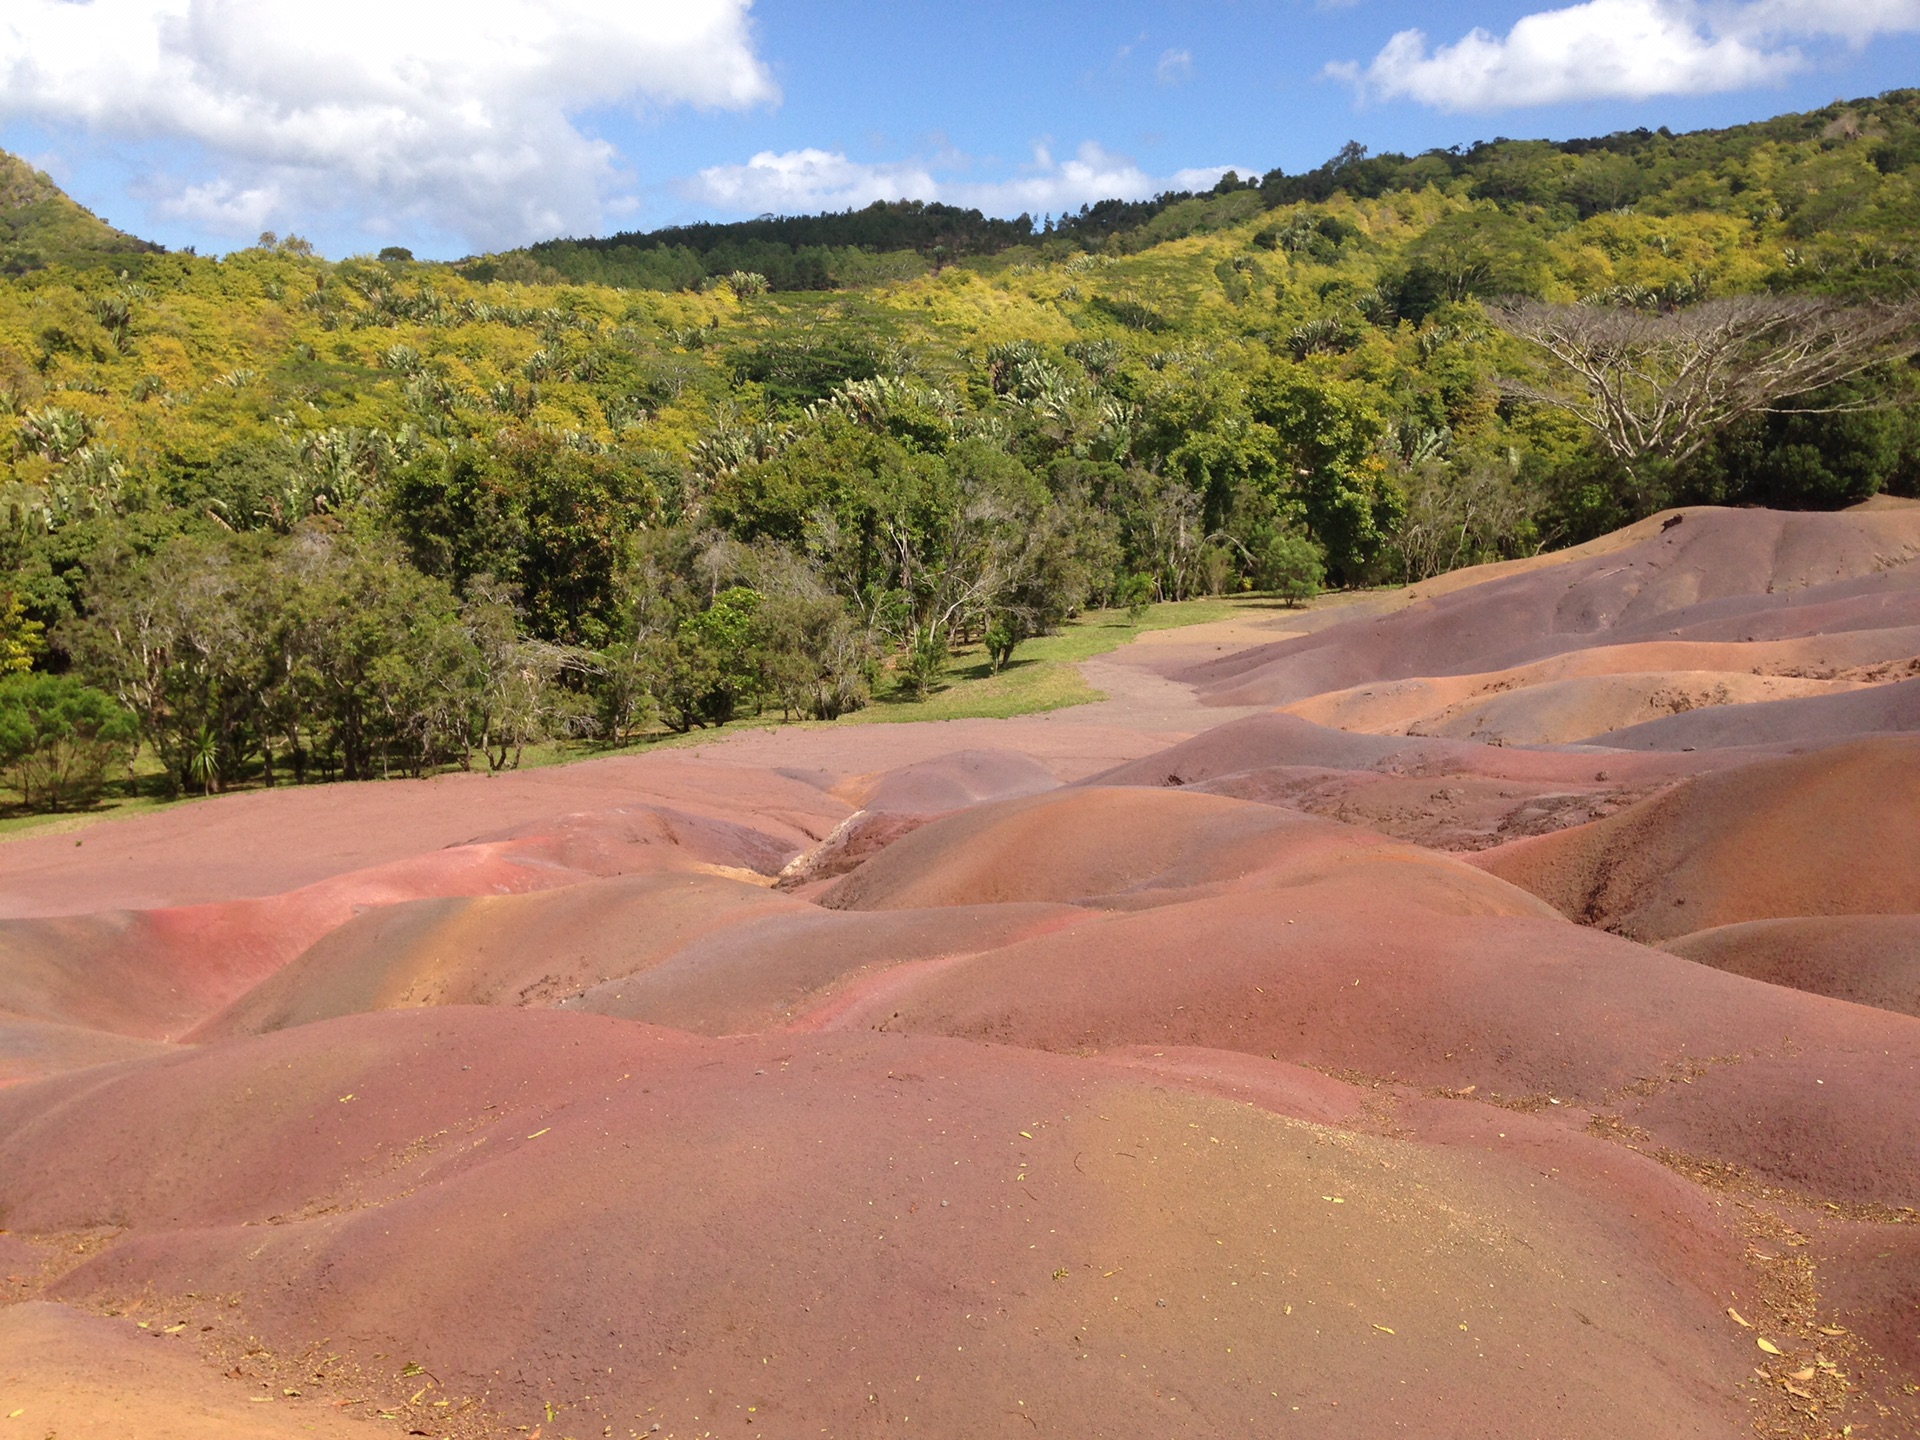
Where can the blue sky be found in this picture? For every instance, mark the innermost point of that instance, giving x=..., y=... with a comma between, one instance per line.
x=453, y=126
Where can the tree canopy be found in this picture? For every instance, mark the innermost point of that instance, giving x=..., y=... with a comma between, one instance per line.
x=303, y=517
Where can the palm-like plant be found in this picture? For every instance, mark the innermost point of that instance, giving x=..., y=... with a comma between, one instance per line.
x=203, y=759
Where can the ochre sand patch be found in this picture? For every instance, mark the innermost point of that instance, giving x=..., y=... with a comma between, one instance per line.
x=67, y=1373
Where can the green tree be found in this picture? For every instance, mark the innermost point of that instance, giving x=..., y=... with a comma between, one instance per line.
x=719, y=644
x=375, y=656
x=1047, y=579
x=1197, y=424
x=815, y=659
x=60, y=738
x=1468, y=254
x=22, y=638
x=1330, y=434
x=180, y=638
x=1837, y=447
x=530, y=510
x=1291, y=566
x=513, y=685
x=1462, y=513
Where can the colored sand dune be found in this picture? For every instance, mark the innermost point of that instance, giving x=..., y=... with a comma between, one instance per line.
x=1493, y=1012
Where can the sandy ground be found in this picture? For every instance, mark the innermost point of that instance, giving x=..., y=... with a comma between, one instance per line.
x=1408, y=1059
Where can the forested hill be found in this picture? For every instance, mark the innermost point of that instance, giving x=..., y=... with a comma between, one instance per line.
x=41, y=225
x=1560, y=181
x=377, y=514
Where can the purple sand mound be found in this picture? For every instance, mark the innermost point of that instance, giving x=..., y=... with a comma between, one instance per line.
x=1813, y=720
x=1721, y=574
x=1868, y=959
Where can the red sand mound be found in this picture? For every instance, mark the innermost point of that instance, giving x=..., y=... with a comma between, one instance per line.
x=1666, y=582
x=151, y=973
x=1140, y=846
x=635, y=1228
x=1356, y=979
x=1877, y=602
x=273, y=841
x=1134, y=1105
x=951, y=782
x=899, y=801
x=1696, y=673
x=1868, y=959
x=1871, y=1273
x=1836, y=832
x=762, y=974
x=31, y=1049
x=1259, y=741
x=1071, y=743
x=157, y=973
x=1277, y=739
x=641, y=839
x=536, y=949
x=1444, y=812
x=1561, y=711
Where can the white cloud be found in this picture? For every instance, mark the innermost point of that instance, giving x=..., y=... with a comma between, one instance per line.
x=455, y=114
x=804, y=180
x=1175, y=67
x=800, y=181
x=1855, y=22
x=1094, y=173
x=1619, y=49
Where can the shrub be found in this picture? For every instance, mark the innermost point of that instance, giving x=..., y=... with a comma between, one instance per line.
x=1292, y=568
x=59, y=738
x=925, y=662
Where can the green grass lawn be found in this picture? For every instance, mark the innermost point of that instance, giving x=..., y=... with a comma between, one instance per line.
x=1041, y=677
x=129, y=795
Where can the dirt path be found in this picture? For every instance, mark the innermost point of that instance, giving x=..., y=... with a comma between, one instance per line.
x=1144, y=711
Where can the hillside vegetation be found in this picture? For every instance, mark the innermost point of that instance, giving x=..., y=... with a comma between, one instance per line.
x=314, y=517
x=40, y=225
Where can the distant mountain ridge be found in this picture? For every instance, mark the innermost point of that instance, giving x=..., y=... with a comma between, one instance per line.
x=891, y=240
x=1567, y=180
x=41, y=225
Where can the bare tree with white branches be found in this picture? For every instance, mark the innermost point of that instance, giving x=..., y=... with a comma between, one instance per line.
x=1659, y=386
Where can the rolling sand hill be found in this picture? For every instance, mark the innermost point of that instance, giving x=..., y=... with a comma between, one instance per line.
x=1492, y=1011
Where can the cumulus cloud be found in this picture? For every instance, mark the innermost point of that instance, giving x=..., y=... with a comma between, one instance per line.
x=1855, y=22
x=1175, y=67
x=1619, y=49
x=456, y=114
x=802, y=180
x=798, y=181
